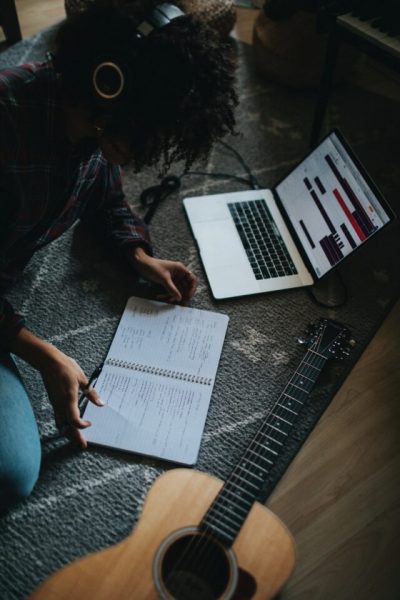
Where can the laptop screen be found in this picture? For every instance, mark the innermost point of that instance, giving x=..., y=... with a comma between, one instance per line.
x=330, y=205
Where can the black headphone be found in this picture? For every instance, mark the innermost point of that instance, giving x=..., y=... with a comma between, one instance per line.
x=110, y=77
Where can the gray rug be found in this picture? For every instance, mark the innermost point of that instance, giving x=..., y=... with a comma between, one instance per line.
x=73, y=295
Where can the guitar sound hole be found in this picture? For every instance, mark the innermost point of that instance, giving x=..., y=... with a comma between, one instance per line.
x=195, y=567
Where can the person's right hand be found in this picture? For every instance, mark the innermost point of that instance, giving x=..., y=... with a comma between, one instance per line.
x=65, y=381
x=63, y=378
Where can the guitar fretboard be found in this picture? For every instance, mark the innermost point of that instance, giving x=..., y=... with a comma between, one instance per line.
x=229, y=510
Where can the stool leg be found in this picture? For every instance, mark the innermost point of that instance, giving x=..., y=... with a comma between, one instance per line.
x=9, y=21
x=325, y=86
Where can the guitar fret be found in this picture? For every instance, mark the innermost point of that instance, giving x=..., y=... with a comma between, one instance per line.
x=292, y=398
x=271, y=435
x=305, y=377
x=217, y=529
x=302, y=389
x=301, y=394
x=256, y=487
x=281, y=418
x=286, y=408
x=227, y=509
x=258, y=455
x=239, y=486
x=317, y=353
x=265, y=448
x=303, y=383
x=242, y=468
x=273, y=439
x=224, y=516
x=276, y=429
x=259, y=466
x=312, y=366
x=236, y=496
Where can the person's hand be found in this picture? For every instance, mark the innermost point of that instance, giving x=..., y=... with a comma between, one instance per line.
x=179, y=282
x=65, y=381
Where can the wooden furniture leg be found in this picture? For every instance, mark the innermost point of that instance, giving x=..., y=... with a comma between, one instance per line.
x=9, y=21
x=325, y=87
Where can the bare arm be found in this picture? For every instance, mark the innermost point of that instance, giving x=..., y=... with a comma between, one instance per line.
x=63, y=378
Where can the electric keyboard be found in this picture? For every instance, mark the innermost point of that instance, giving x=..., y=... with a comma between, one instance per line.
x=372, y=26
x=374, y=30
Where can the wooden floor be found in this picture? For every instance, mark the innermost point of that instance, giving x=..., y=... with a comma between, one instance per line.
x=341, y=495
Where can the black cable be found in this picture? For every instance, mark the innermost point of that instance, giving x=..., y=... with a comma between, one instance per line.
x=252, y=178
x=153, y=196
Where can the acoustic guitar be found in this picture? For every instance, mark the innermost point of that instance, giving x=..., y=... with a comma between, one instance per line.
x=199, y=538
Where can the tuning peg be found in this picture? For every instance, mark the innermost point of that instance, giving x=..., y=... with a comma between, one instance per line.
x=309, y=333
x=346, y=350
x=311, y=328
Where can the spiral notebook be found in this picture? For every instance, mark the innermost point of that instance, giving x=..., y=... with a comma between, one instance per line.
x=157, y=380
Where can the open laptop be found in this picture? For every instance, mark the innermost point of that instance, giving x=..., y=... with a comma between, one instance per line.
x=294, y=234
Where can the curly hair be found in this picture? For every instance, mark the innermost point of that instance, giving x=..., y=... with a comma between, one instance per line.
x=181, y=96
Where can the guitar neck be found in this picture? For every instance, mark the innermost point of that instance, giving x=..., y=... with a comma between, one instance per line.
x=232, y=505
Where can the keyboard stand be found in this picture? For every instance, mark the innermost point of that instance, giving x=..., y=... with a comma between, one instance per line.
x=345, y=29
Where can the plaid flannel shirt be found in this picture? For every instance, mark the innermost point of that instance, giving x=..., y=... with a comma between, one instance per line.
x=47, y=183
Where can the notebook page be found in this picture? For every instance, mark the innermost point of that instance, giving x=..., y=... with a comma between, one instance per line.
x=171, y=337
x=149, y=414
x=160, y=413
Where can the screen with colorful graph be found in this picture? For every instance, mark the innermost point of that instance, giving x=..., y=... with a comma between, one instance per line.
x=330, y=205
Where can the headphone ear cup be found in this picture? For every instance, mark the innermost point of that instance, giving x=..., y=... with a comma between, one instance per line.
x=110, y=80
x=110, y=77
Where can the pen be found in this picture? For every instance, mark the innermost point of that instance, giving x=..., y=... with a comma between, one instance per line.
x=82, y=401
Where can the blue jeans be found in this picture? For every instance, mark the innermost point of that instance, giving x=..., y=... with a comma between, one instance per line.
x=20, y=452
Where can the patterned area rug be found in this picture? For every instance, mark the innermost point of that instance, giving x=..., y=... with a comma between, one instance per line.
x=73, y=295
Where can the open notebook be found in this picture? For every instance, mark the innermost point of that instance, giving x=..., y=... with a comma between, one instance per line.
x=157, y=380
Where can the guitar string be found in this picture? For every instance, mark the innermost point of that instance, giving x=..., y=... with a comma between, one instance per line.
x=266, y=428
x=197, y=549
x=201, y=543
x=194, y=547
x=309, y=367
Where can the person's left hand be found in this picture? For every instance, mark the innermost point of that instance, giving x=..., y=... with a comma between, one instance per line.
x=179, y=282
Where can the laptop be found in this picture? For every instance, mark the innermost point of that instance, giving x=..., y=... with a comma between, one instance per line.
x=293, y=235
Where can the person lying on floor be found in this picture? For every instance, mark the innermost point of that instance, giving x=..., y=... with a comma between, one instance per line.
x=138, y=83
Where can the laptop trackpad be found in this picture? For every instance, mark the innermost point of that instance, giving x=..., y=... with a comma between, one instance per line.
x=219, y=243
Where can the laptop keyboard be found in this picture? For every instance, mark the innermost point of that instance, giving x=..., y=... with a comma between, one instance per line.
x=261, y=239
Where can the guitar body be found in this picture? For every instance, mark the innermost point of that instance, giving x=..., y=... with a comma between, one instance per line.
x=145, y=565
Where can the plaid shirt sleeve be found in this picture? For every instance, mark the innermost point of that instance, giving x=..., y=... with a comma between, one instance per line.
x=10, y=321
x=109, y=216
x=46, y=183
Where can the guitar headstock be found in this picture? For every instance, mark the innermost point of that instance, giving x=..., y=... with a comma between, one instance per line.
x=329, y=338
